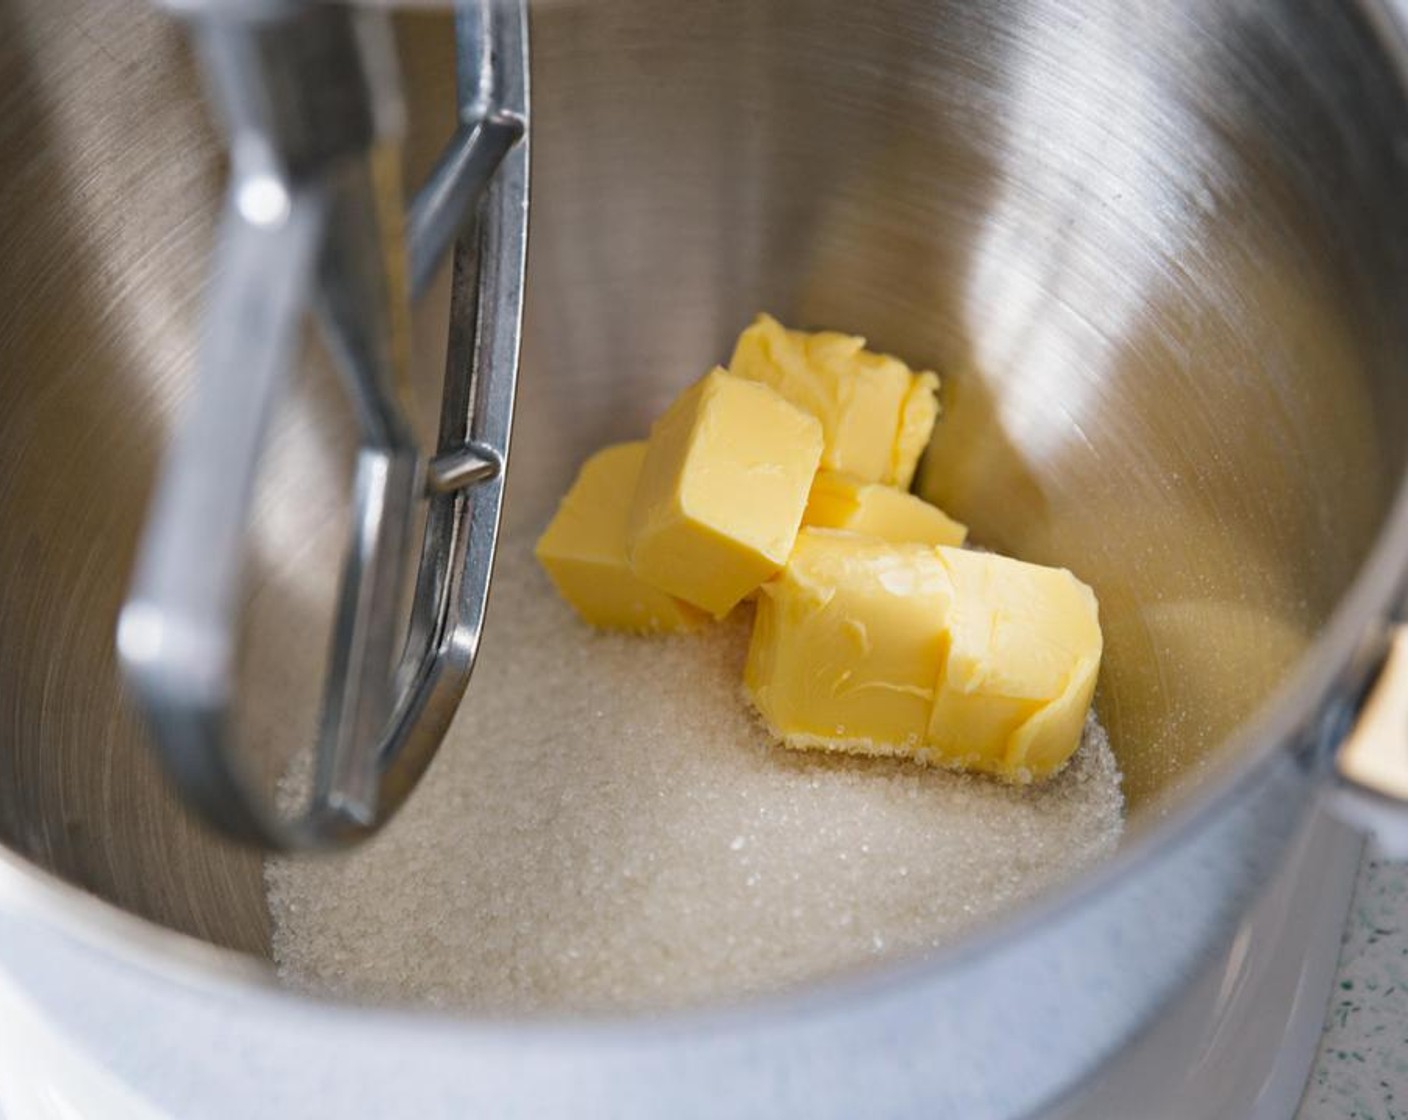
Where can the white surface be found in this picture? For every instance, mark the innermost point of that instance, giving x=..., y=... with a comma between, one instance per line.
x=1361, y=1070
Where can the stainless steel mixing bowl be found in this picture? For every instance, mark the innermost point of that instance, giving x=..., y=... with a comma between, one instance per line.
x=1159, y=252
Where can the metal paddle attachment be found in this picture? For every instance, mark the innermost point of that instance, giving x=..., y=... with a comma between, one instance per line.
x=314, y=221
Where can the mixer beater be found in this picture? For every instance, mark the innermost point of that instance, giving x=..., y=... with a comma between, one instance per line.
x=314, y=219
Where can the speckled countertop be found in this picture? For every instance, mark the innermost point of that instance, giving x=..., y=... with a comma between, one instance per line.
x=1361, y=1072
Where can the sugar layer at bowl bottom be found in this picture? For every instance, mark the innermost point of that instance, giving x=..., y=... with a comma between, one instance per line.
x=608, y=828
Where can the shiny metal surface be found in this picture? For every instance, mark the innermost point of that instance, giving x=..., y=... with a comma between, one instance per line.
x=1371, y=766
x=313, y=217
x=1161, y=258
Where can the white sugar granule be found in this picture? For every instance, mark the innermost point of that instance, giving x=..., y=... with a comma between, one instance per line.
x=607, y=827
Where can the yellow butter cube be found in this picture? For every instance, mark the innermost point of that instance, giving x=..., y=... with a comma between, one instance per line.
x=842, y=501
x=848, y=643
x=721, y=491
x=1024, y=648
x=584, y=550
x=876, y=413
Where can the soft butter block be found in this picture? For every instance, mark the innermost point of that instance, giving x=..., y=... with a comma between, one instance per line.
x=842, y=501
x=877, y=414
x=584, y=550
x=848, y=643
x=1024, y=648
x=721, y=492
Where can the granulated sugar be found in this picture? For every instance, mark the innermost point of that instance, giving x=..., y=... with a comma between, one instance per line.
x=607, y=827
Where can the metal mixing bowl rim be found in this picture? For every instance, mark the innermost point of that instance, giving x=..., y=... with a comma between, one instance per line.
x=1328, y=667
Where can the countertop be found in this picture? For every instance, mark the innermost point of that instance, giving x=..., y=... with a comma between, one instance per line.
x=1361, y=1071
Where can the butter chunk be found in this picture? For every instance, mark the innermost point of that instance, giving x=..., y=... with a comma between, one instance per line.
x=918, y=414
x=876, y=413
x=1024, y=648
x=584, y=550
x=848, y=643
x=842, y=501
x=721, y=491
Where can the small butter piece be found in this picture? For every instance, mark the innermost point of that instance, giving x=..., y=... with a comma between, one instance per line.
x=1023, y=654
x=584, y=550
x=842, y=501
x=721, y=491
x=918, y=414
x=848, y=643
x=877, y=414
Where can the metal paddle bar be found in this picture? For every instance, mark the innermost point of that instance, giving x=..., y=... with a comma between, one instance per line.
x=314, y=221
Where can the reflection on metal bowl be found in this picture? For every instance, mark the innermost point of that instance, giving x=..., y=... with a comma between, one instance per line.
x=1159, y=254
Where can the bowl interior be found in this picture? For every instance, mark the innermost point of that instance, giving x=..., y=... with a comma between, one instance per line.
x=1159, y=260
